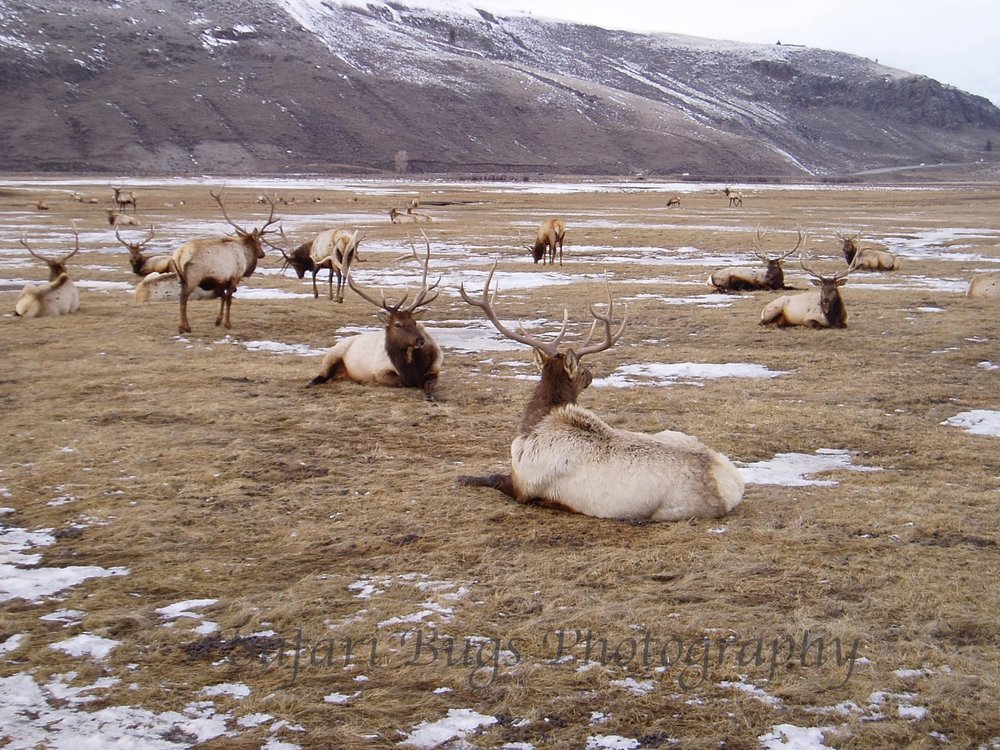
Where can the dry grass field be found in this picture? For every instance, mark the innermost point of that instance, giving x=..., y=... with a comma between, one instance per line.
x=199, y=550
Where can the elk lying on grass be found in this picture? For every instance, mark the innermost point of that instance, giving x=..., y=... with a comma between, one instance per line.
x=741, y=278
x=550, y=236
x=117, y=218
x=735, y=197
x=985, y=285
x=165, y=287
x=124, y=198
x=336, y=250
x=567, y=457
x=143, y=265
x=410, y=217
x=59, y=296
x=403, y=355
x=867, y=258
x=218, y=264
x=819, y=309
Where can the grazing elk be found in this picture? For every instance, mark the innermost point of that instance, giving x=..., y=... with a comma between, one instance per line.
x=674, y=202
x=218, y=264
x=735, y=197
x=550, y=235
x=565, y=456
x=866, y=258
x=985, y=285
x=819, y=309
x=117, y=218
x=124, y=198
x=336, y=250
x=59, y=296
x=403, y=355
x=143, y=265
x=741, y=279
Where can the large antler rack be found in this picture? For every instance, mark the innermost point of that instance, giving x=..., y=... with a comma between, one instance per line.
x=421, y=300
x=48, y=261
x=759, y=252
x=240, y=230
x=836, y=276
x=549, y=348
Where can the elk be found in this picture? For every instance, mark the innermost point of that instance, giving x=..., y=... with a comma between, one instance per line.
x=735, y=197
x=567, y=457
x=335, y=249
x=550, y=235
x=985, y=285
x=116, y=218
x=403, y=355
x=818, y=309
x=59, y=296
x=163, y=287
x=218, y=264
x=410, y=217
x=867, y=258
x=741, y=279
x=673, y=202
x=143, y=265
x=124, y=198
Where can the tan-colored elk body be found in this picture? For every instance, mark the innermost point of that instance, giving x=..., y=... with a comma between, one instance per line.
x=985, y=285
x=165, y=287
x=549, y=237
x=402, y=355
x=867, y=258
x=218, y=264
x=745, y=278
x=335, y=250
x=58, y=296
x=117, y=218
x=410, y=217
x=142, y=264
x=567, y=457
x=820, y=309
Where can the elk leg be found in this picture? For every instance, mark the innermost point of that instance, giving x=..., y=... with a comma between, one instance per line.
x=183, y=326
x=330, y=283
x=230, y=291
x=333, y=367
x=430, y=386
x=315, y=290
x=222, y=306
x=502, y=482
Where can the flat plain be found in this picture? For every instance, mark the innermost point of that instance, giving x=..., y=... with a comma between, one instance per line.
x=198, y=550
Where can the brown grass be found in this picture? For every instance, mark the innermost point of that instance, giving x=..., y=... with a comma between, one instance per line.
x=210, y=471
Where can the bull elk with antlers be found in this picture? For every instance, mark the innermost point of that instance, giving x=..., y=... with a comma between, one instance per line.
x=219, y=264
x=866, y=258
x=403, y=355
x=567, y=457
x=819, y=309
x=142, y=264
x=59, y=296
x=124, y=198
x=741, y=278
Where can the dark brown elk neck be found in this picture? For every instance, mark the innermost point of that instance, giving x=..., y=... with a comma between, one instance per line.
x=555, y=389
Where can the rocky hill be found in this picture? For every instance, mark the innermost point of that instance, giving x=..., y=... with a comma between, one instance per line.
x=292, y=86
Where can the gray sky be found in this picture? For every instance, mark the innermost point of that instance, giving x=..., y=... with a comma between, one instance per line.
x=956, y=42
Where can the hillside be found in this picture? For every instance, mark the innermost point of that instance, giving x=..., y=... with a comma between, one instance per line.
x=285, y=86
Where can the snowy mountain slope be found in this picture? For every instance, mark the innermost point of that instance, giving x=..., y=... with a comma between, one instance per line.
x=305, y=85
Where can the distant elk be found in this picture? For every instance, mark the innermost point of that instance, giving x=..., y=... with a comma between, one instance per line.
x=742, y=279
x=219, y=264
x=567, y=457
x=985, y=285
x=59, y=296
x=735, y=197
x=142, y=264
x=819, y=309
x=124, y=198
x=402, y=355
x=117, y=218
x=674, y=202
x=410, y=217
x=866, y=258
x=549, y=237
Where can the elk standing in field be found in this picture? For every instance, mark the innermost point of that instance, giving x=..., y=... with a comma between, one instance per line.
x=741, y=279
x=58, y=296
x=550, y=235
x=674, y=202
x=866, y=258
x=735, y=197
x=567, y=457
x=820, y=309
x=403, y=355
x=143, y=265
x=219, y=264
x=124, y=198
x=336, y=250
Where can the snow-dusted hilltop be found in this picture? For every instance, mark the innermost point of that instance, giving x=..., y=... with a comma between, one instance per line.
x=440, y=86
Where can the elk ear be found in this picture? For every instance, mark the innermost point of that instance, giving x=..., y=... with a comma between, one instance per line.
x=815, y=282
x=571, y=364
x=841, y=282
x=383, y=316
x=539, y=360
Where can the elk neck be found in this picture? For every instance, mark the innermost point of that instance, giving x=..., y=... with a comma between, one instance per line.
x=555, y=389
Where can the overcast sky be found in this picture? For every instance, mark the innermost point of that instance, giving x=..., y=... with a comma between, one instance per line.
x=956, y=42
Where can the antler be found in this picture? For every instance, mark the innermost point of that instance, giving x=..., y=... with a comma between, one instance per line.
x=421, y=299
x=51, y=263
x=240, y=230
x=609, y=338
x=134, y=247
x=836, y=276
x=766, y=258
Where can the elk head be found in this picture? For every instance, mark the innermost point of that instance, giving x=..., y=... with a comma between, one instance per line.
x=851, y=246
x=135, y=250
x=774, y=276
x=299, y=259
x=564, y=378
x=830, y=301
x=56, y=267
x=254, y=238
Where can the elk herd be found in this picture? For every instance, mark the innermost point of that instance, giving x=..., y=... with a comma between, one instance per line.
x=563, y=456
